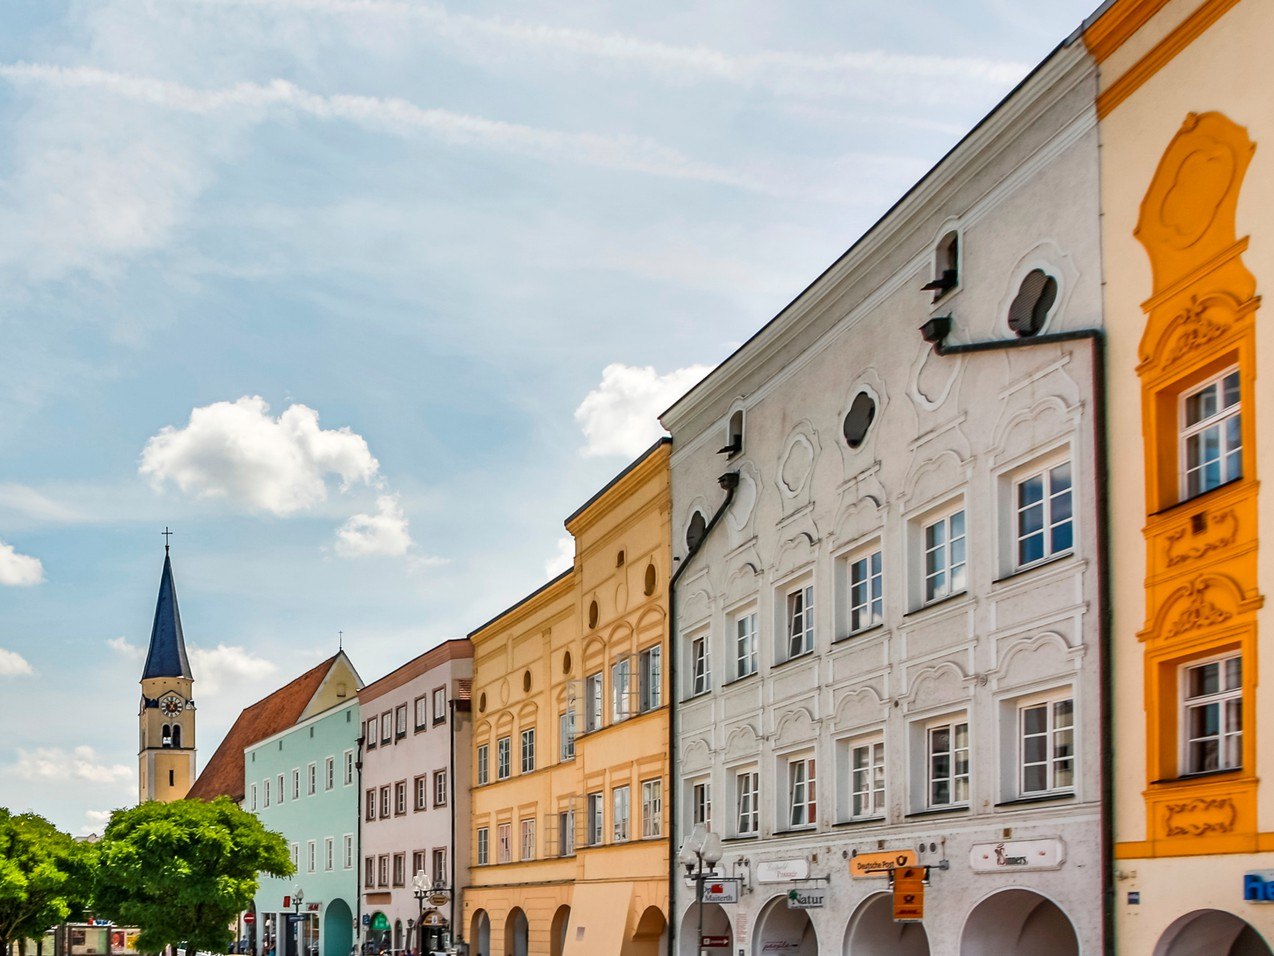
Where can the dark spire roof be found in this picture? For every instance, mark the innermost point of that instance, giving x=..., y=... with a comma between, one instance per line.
x=167, y=654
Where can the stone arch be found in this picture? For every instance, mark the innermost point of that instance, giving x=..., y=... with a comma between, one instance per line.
x=871, y=931
x=650, y=936
x=1018, y=922
x=517, y=933
x=651, y=619
x=778, y=926
x=480, y=932
x=338, y=928
x=1211, y=933
x=620, y=639
x=714, y=921
x=558, y=930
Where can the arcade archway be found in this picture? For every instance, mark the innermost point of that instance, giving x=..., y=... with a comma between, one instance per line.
x=781, y=930
x=517, y=933
x=480, y=933
x=716, y=922
x=1018, y=923
x=873, y=932
x=558, y=930
x=338, y=929
x=651, y=936
x=1211, y=933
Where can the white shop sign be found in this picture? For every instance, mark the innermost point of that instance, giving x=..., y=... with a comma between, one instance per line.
x=1010, y=855
x=806, y=899
x=782, y=871
x=720, y=891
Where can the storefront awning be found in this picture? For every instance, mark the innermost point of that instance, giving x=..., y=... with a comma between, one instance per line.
x=599, y=918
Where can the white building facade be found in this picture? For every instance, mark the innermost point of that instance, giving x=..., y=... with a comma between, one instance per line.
x=416, y=742
x=888, y=643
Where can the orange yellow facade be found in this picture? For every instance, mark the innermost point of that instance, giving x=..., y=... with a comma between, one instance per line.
x=569, y=822
x=1183, y=110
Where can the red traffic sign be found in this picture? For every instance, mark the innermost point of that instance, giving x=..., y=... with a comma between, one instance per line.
x=714, y=942
x=249, y=917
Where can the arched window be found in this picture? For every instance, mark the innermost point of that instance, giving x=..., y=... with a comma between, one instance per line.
x=167, y=736
x=176, y=735
x=734, y=435
x=946, y=266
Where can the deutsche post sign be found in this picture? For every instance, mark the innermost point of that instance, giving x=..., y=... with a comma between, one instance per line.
x=909, y=894
x=866, y=865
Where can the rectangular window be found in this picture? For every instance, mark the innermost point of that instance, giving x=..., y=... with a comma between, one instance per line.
x=371, y=805
x=566, y=733
x=349, y=767
x=747, y=788
x=745, y=631
x=595, y=819
x=701, y=803
x=1047, y=754
x=866, y=592
x=800, y=621
x=700, y=666
x=650, y=678
x=382, y=870
x=566, y=833
x=417, y=862
x=329, y=853
x=528, y=750
x=802, y=792
x=296, y=783
x=503, y=847
x=311, y=780
x=400, y=721
x=370, y=736
x=400, y=797
x=948, y=755
x=944, y=556
x=652, y=809
x=386, y=727
x=253, y=804
x=329, y=773
x=421, y=791
x=620, y=805
x=483, y=848
x=384, y=802
x=1211, y=435
x=296, y=857
x=420, y=708
x=311, y=855
x=266, y=802
x=440, y=705
x=1045, y=520
x=621, y=690
x=440, y=865
x=369, y=871
x=528, y=839
x=502, y=755
x=867, y=779
x=280, y=791
x=484, y=770
x=1212, y=715
x=440, y=788
x=347, y=851
x=400, y=869
x=592, y=703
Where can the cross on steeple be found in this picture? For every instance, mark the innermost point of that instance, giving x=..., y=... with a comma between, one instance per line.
x=167, y=534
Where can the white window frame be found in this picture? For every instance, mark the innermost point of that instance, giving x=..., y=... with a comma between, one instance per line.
x=865, y=588
x=650, y=677
x=566, y=733
x=400, y=721
x=953, y=724
x=941, y=574
x=621, y=804
x=347, y=851
x=866, y=784
x=504, y=843
x=483, y=846
x=744, y=633
x=349, y=768
x=296, y=783
x=1224, y=698
x=311, y=855
x=700, y=790
x=652, y=808
x=400, y=798
x=566, y=832
x=254, y=797
x=527, y=742
x=440, y=788
x=801, y=777
x=503, y=758
x=1218, y=421
x=621, y=690
x=387, y=728
x=329, y=853
x=799, y=608
x=311, y=779
x=1054, y=736
x=329, y=773
x=527, y=835
x=747, y=801
x=594, y=698
x=1051, y=527
x=699, y=649
x=484, y=764
x=420, y=792
x=596, y=810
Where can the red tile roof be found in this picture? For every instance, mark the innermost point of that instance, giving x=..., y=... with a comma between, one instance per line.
x=223, y=775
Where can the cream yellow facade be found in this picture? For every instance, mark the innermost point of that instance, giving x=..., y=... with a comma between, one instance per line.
x=1186, y=123
x=570, y=851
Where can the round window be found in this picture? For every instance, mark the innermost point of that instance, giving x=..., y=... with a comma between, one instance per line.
x=861, y=414
x=592, y=615
x=1035, y=296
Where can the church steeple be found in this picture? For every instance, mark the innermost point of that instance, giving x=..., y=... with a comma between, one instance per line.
x=167, y=654
x=166, y=717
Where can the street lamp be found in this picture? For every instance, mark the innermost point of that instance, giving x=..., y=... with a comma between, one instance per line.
x=438, y=894
x=298, y=897
x=700, y=847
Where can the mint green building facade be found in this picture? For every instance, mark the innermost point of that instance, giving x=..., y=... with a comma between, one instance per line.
x=303, y=783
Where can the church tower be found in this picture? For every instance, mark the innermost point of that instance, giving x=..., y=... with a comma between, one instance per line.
x=166, y=719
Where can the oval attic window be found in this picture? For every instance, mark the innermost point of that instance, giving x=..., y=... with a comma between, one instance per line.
x=566, y=663
x=698, y=528
x=650, y=579
x=482, y=703
x=592, y=615
x=526, y=681
x=1034, y=298
x=861, y=414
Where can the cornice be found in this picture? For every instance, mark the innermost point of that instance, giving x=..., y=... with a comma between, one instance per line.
x=1111, y=27
x=619, y=490
x=561, y=586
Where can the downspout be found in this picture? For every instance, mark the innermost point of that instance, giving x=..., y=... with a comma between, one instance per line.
x=936, y=335
x=360, y=868
x=729, y=481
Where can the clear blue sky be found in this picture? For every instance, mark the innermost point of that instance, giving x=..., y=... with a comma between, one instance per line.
x=363, y=297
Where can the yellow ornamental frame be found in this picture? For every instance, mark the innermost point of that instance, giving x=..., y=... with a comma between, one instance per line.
x=1201, y=585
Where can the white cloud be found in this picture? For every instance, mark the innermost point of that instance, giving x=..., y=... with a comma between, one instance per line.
x=384, y=533
x=620, y=416
x=238, y=451
x=391, y=115
x=19, y=570
x=563, y=560
x=216, y=669
x=97, y=820
x=13, y=664
x=63, y=766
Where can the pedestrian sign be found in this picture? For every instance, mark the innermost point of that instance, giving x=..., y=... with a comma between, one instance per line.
x=909, y=893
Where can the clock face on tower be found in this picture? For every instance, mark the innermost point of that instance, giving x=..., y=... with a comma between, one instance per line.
x=170, y=705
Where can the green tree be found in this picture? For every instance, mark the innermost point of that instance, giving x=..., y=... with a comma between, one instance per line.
x=183, y=871
x=45, y=876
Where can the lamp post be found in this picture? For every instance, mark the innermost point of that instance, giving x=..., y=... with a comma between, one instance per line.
x=298, y=897
x=420, y=889
x=439, y=894
x=700, y=847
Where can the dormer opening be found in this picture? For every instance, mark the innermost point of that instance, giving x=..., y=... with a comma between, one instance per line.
x=733, y=435
x=946, y=266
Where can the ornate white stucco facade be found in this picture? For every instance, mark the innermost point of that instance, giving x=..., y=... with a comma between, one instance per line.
x=944, y=683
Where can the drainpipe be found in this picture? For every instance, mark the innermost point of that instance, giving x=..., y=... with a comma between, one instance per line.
x=935, y=332
x=360, y=869
x=729, y=481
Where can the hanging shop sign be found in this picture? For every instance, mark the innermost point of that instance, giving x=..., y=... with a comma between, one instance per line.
x=1258, y=886
x=1017, y=855
x=866, y=865
x=909, y=894
x=720, y=891
x=782, y=871
x=714, y=942
x=806, y=899
x=380, y=922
